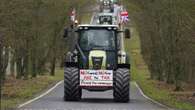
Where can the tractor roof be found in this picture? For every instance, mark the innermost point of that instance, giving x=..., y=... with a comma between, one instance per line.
x=106, y=14
x=98, y=26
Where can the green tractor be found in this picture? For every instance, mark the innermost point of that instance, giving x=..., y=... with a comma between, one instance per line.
x=106, y=18
x=94, y=64
x=106, y=6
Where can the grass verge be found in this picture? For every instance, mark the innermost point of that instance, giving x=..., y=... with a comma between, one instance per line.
x=141, y=75
x=18, y=91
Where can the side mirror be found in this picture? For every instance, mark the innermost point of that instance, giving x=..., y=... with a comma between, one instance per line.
x=127, y=33
x=65, y=32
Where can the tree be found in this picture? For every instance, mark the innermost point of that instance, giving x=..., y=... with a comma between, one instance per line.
x=166, y=31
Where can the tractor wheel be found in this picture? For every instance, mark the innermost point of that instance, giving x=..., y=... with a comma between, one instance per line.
x=72, y=91
x=121, y=85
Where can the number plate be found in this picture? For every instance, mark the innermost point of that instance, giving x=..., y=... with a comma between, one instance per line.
x=96, y=78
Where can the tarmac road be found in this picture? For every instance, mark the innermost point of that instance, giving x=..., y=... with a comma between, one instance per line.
x=93, y=101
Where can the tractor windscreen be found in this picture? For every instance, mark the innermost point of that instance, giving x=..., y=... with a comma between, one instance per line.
x=99, y=39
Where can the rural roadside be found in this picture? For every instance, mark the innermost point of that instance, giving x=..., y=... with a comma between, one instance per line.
x=156, y=90
x=16, y=92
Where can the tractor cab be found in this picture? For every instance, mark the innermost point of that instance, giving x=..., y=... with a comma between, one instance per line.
x=99, y=45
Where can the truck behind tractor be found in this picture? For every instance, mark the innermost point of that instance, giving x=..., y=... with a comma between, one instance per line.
x=94, y=64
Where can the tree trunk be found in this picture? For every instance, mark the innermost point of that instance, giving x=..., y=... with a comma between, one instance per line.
x=26, y=67
x=12, y=64
x=53, y=65
x=19, y=68
x=34, y=67
x=5, y=62
x=1, y=66
x=62, y=62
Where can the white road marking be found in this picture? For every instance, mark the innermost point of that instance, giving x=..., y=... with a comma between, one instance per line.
x=51, y=89
x=156, y=102
x=42, y=95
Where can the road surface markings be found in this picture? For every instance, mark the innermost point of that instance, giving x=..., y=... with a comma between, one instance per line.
x=42, y=95
x=156, y=102
x=51, y=89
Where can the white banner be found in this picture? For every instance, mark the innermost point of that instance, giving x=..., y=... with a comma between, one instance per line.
x=96, y=78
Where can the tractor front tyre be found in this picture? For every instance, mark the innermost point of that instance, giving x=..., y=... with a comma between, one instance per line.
x=121, y=85
x=72, y=91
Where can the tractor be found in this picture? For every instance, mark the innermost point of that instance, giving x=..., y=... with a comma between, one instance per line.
x=106, y=6
x=107, y=18
x=94, y=63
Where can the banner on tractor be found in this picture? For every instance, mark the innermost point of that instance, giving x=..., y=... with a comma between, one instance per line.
x=96, y=78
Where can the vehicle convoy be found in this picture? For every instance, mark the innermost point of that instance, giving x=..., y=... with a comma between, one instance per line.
x=94, y=64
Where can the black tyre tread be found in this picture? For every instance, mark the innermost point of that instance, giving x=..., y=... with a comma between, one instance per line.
x=72, y=91
x=121, y=85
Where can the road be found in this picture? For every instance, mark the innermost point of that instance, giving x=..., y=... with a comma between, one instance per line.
x=92, y=101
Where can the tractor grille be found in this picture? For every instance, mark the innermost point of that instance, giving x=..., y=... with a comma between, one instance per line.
x=97, y=62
